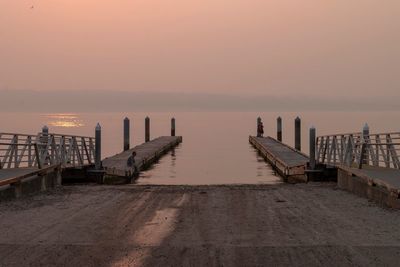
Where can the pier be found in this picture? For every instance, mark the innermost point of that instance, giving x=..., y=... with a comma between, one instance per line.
x=32, y=163
x=367, y=164
x=362, y=163
x=290, y=163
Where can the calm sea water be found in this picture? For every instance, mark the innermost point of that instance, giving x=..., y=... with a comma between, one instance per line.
x=215, y=148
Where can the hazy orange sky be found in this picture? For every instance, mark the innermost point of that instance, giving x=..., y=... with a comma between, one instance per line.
x=272, y=47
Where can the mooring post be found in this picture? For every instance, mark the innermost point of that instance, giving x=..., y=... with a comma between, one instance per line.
x=173, y=127
x=313, y=137
x=45, y=130
x=365, y=131
x=97, y=159
x=297, y=134
x=45, y=134
x=258, y=127
x=279, y=129
x=126, y=134
x=147, y=130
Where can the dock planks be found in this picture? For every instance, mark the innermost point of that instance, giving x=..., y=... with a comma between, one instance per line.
x=288, y=162
x=146, y=154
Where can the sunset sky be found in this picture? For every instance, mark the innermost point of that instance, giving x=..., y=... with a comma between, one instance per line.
x=348, y=48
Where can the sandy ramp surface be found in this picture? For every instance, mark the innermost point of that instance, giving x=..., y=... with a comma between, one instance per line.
x=248, y=225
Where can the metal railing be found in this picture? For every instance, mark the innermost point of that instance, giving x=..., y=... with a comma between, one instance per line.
x=43, y=149
x=356, y=150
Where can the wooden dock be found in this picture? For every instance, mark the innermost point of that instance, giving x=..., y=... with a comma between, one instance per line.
x=146, y=154
x=288, y=162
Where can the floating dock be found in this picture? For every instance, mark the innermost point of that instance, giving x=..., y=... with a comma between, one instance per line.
x=146, y=154
x=290, y=163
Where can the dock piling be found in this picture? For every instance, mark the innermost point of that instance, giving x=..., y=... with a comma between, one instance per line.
x=365, y=131
x=297, y=134
x=258, y=127
x=147, y=129
x=126, y=134
x=45, y=130
x=173, y=127
x=98, y=147
x=44, y=139
x=312, y=147
x=279, y=129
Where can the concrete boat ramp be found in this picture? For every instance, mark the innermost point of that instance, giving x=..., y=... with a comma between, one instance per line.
x=116, y=168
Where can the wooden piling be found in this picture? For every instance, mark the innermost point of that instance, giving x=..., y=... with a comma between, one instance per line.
x=365, y=131
x=126, y=134
x=297, y=134
x=279, y=129
x=173, y=127
x=45, y=130
x=258, y=127
x=147, y=129
x=313, y=137
x=98, y=147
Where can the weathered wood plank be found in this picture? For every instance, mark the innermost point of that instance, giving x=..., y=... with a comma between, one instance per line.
x=146, y=154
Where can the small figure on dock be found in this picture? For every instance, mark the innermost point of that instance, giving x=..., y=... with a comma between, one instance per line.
x=260, y=129
x=131, y=163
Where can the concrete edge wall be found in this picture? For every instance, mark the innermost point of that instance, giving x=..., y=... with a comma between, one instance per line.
x=361, y=187
x=31, y=185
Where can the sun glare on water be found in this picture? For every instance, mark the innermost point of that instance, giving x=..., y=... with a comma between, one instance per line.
x=64, y=120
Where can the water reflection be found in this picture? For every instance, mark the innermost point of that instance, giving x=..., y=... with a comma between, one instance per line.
x=65, y=120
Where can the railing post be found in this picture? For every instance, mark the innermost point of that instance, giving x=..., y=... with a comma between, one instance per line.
x=312, y=147
x=126, y=134
x=97, y=159
x=258, y=127
x=147, y=129
x=173, y=127
x=297, y=134
x=37, y=154
x=348, y=157
x=364, y=148
x=16, y=151
x=43, y=146
x=279, y=129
